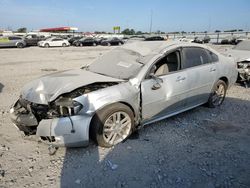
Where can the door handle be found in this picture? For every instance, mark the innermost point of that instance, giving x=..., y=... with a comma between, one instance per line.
x=179, y=78
x=212, y=69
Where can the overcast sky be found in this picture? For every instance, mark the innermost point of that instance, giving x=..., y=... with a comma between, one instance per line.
x=102, y=15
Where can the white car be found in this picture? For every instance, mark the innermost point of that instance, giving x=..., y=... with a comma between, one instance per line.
x=54, y=41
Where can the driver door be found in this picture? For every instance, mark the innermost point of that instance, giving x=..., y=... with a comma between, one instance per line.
x=170, y=97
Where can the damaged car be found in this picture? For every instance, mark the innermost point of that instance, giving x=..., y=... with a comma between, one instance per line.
x=121, y=91
x=241, y=53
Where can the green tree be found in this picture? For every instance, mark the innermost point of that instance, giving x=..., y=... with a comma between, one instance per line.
x=128, y=31
x=22, y=30
x=138, y=33
x=132, y=32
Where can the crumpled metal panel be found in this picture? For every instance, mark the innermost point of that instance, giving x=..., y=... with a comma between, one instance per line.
x=68, y=131
x=47, y=88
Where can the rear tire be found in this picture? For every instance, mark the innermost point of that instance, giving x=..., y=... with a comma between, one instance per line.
x=112, y=125
x=217, y=95
x=64, y=45
x=20, y=45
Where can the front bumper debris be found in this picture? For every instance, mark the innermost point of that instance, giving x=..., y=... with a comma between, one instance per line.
x=69, y=131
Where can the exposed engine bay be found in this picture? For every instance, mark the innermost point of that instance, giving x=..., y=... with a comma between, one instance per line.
x=244, y=72
x=27, y=115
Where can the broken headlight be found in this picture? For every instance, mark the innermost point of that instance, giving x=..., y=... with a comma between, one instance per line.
x=68, y=106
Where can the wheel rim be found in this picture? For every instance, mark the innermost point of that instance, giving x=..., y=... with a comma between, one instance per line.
x=219, y=95
x=116, y=127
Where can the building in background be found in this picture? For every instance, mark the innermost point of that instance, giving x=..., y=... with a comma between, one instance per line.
x=60, y=29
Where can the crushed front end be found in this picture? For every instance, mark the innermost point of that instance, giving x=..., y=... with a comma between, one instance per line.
x=57, y=123
x=244, y=72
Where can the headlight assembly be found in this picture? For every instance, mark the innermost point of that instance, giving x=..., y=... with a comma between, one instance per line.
x=68, y=106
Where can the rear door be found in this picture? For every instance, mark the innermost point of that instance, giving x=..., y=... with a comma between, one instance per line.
x=57, y=42
x=201, y=73
x=13, y=40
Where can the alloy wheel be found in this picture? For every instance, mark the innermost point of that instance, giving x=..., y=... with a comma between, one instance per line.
x=116, y=127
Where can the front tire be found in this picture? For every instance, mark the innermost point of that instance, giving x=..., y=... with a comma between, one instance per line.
x=218, y=94
x=64, y=45
x=46, y=45
x=112, y=125
x=20, y=45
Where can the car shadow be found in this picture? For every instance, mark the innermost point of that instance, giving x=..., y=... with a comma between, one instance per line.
x=1, y=87
x=198, y=148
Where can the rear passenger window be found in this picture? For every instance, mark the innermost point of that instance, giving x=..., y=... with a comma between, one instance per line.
x=56, y=39
x=194, y=57
x=14, y=38
x=213, y=57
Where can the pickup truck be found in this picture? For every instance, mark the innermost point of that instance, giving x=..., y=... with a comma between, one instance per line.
x=32, y=40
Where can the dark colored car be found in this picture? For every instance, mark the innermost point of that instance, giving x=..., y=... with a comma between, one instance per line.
x=86, y=42
x=112, y=41
x=200, y=40
x=229, y=40
x=154, y=38
x=73, y=39
x=32, y=40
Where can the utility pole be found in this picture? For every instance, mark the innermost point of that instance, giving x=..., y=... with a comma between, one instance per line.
x=151, y=21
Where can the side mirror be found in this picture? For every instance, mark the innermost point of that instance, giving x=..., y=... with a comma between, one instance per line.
x=156, y=86
x=158, y=81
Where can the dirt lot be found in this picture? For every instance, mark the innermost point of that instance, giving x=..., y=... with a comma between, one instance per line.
x=199, y=148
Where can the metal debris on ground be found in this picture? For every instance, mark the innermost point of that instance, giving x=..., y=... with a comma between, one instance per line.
x=111, y=165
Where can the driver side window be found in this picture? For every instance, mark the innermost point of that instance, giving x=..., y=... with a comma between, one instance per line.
x=167, y=64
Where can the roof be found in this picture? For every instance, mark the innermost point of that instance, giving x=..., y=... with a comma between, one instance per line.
x=146, y=48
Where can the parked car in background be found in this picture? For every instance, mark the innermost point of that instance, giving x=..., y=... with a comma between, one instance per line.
x=53, y=42
x=12, y=41
x=241, y=54
x=135, y=38
x=154, y=38
x=130, y=86
x=73, y=39
x=86, y=42
x=202, y=40
x=112, y=41
x=32, y=40
x=229, y=40
x=184, y=39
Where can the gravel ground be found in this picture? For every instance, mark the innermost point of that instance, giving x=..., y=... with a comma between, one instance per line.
x=199, y=148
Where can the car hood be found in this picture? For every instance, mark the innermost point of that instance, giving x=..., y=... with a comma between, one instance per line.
x=238, y=55
x=47, y=88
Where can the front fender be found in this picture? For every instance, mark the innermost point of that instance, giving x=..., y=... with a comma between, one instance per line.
x=124, y=92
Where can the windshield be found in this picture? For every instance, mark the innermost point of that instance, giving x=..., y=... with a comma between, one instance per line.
x=49, y=38
x=243, y=45
x=119, y=63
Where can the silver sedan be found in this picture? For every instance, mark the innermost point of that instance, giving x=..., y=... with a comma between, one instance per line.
x=130, y=86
